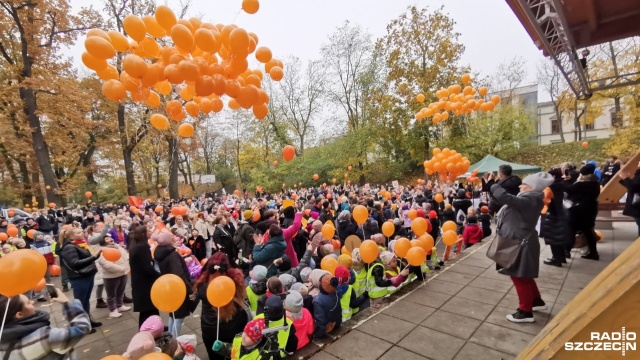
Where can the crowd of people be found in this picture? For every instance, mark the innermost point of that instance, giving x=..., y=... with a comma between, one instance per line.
x=272, y=247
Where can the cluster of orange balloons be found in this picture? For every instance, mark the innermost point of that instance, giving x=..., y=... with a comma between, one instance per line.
x=179, y=210
x=387, y=195
x=457, y=100
x=200, y=64
x=448, y=163
x=474, y=176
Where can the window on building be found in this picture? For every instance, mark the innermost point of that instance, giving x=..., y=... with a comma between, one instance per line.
x=590, y=126
x=555, y=125
x=616, y=118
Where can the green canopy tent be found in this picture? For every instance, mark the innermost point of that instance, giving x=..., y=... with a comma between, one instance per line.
x=491, y=164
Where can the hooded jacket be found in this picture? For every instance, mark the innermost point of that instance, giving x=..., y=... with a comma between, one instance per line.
x=265, y=254
x=170, y=262
x=633, y=188
x=327, y=311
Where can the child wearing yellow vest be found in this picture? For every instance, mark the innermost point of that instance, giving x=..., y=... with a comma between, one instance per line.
x=350, y=302
x=257, y=287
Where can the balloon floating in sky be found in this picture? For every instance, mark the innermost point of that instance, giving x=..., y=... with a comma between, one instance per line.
x=173, y=61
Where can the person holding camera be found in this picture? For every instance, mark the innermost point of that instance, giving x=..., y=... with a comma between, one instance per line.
x=28, y=333
x=282, y=339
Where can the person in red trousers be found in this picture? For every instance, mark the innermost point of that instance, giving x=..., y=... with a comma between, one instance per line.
x=517, y=222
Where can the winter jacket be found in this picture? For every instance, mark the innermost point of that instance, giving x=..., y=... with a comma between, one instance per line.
x=170, y=262
x=265, y=254
x=46, y=223
x=555, y=227
x=448, y=215
x=346, y=228
x=125, y=237
x=77, y=259
x=584, y=197
x=111, y=270
x=472, y=234
x=327, y=311
x=295, y=271
x=517, y=221
x=45, y=249
x=609, y=172
x=485, y=223
x=201, y=226
x=510, y=184
x=45, y=342
x=143, y=275
x=288, y=234
x=223, y=239
x=244, y=239
x=633, y=188
x=197, y=247
x=305, y=327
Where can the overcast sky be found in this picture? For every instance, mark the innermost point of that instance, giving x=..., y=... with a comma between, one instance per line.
x=489, y=30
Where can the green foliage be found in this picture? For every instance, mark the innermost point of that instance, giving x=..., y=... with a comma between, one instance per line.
x=547, y=156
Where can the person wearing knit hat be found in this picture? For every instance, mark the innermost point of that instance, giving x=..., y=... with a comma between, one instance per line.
x=274, y=315
x=383, y=277
x=247, y=215
x=141, y=344
x=257, y=287
x=246, y=345
x=350, y=302
x=153, y=325
x=327, y=309
x=518, y=219
x=304, y=274
x=302, y=318
x=287, y=280
x=435, y=224
x=359, y=271
x=163, y=238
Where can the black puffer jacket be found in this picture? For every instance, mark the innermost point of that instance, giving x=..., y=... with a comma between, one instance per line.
x=584, y=196
x=170, y=262
x=511, y=184
x=555, y=227
x=633, y=188
x=77, y=260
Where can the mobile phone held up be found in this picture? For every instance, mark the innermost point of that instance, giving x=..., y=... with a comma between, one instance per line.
x=51, y=289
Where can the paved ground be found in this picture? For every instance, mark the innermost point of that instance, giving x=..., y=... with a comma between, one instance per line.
x=459, y=313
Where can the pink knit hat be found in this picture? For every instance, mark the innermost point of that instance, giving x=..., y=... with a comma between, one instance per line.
x=153, y=325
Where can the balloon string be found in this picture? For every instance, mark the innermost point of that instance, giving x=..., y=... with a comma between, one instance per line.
x=218, y=326
x=175, y=323
x=4, y=318
x=238, y=13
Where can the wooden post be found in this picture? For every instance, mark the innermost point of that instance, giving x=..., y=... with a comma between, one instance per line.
x=613, y=191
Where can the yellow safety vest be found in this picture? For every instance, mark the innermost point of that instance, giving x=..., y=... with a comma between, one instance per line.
x=360, y=285
x=253, y=300
x=376, y=292
x=283, y=335
x=394, y=273
x=236, y=347
x=347, y=312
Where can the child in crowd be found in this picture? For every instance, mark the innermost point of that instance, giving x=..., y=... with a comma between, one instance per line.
x=42, y=244
x=257, y=287
x=351, y=303
x=435, y=224
x=302, y=319
x=327, y=309
x=274, y=287
x=485, y=221
x=197, y=245
x=472, y=231
x=114, y=274
x=307, y=299
x=448, y=214
x=246, y=345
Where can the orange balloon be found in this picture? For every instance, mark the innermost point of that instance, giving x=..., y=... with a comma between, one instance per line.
x=149, y=48
x=192, y=108
x=239, y=41
x=114, y=357
x=30, y=233
x=4, y=237
x=449, y=237
x=111, y=254
x=263, y=54
x=369, y=251
x=413, y=214
x=185, y=130
x=585, y=144
x=416, y=256
x=156, y=356
x=118, y=41
x=114, y=90
x=328, y=231
x=250, y=6
x=449, y=226
x=99, y=47
x=92, y=62
x=168, y=293
x=329, y=264
x=134, y=27
x=260, y=111
x=108, y=73
x=40, y=285
x=99, y=33
x=427, y=242
x=207, y=41
x=21, y=271
x=288, y=153
x=165, y=17
x=153, y=100
x=388, y=229
x=344, y=251
x=401, y=247
x=54, y=270
x=135, y=66
x=182, y=37
x=221, y=291
x=153, y=27
x=88, y=194
x=276, y=73
x=360, y=214
x=315, y=177
x=12, y=230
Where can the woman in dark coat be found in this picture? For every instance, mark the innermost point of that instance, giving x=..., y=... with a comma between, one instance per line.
x=517, y=221
x=170, y=262
x=555, y=224
x=633, y=189
x=346, y=227
x=223, y=239
x=583, y=195
x=143, y=274
x=233, y=317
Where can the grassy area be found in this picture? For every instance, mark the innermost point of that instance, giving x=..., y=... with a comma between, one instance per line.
x=550, y=155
